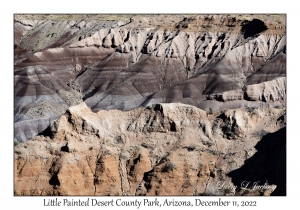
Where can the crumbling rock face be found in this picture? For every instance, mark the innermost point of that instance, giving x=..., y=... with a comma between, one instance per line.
x=270, y=91
x=129, y=61
x=164, y=149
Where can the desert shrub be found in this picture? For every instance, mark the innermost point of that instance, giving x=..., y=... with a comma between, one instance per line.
x=250, y=109
x=168, y=167
x=228, y=191
x=207, y=143
x=119, y=140
x=261, y=133
x=18, y=152
x=191, y=148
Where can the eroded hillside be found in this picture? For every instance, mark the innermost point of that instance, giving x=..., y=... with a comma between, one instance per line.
x=129, y=61
x=150, y=104
x=166, y=149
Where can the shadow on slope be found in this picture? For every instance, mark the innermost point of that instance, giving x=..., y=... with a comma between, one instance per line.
x=267, y=165
x=253, y=27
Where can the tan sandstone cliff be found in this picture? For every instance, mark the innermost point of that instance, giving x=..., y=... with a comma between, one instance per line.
x=165, y=149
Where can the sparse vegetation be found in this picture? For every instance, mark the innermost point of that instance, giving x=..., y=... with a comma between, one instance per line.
x=124, y=156
x=31, y=193
x=261, y=133
x=119, y=140
x=215, y=152
x=250, y=109
x=18, y=152
x=228, y=191
x=207, y=143
x=191, y=148
x=210, y=111
x=221, y=173
x=168, y=167
x=16, y=143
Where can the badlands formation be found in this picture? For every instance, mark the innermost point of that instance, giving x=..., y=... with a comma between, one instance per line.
x=150, y=105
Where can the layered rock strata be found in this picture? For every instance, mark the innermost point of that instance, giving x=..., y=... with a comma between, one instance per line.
x=163, y=149
x=123, y=62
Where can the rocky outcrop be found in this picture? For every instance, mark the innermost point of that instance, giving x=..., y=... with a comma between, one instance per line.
x=274, y=90
x=164, y=149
